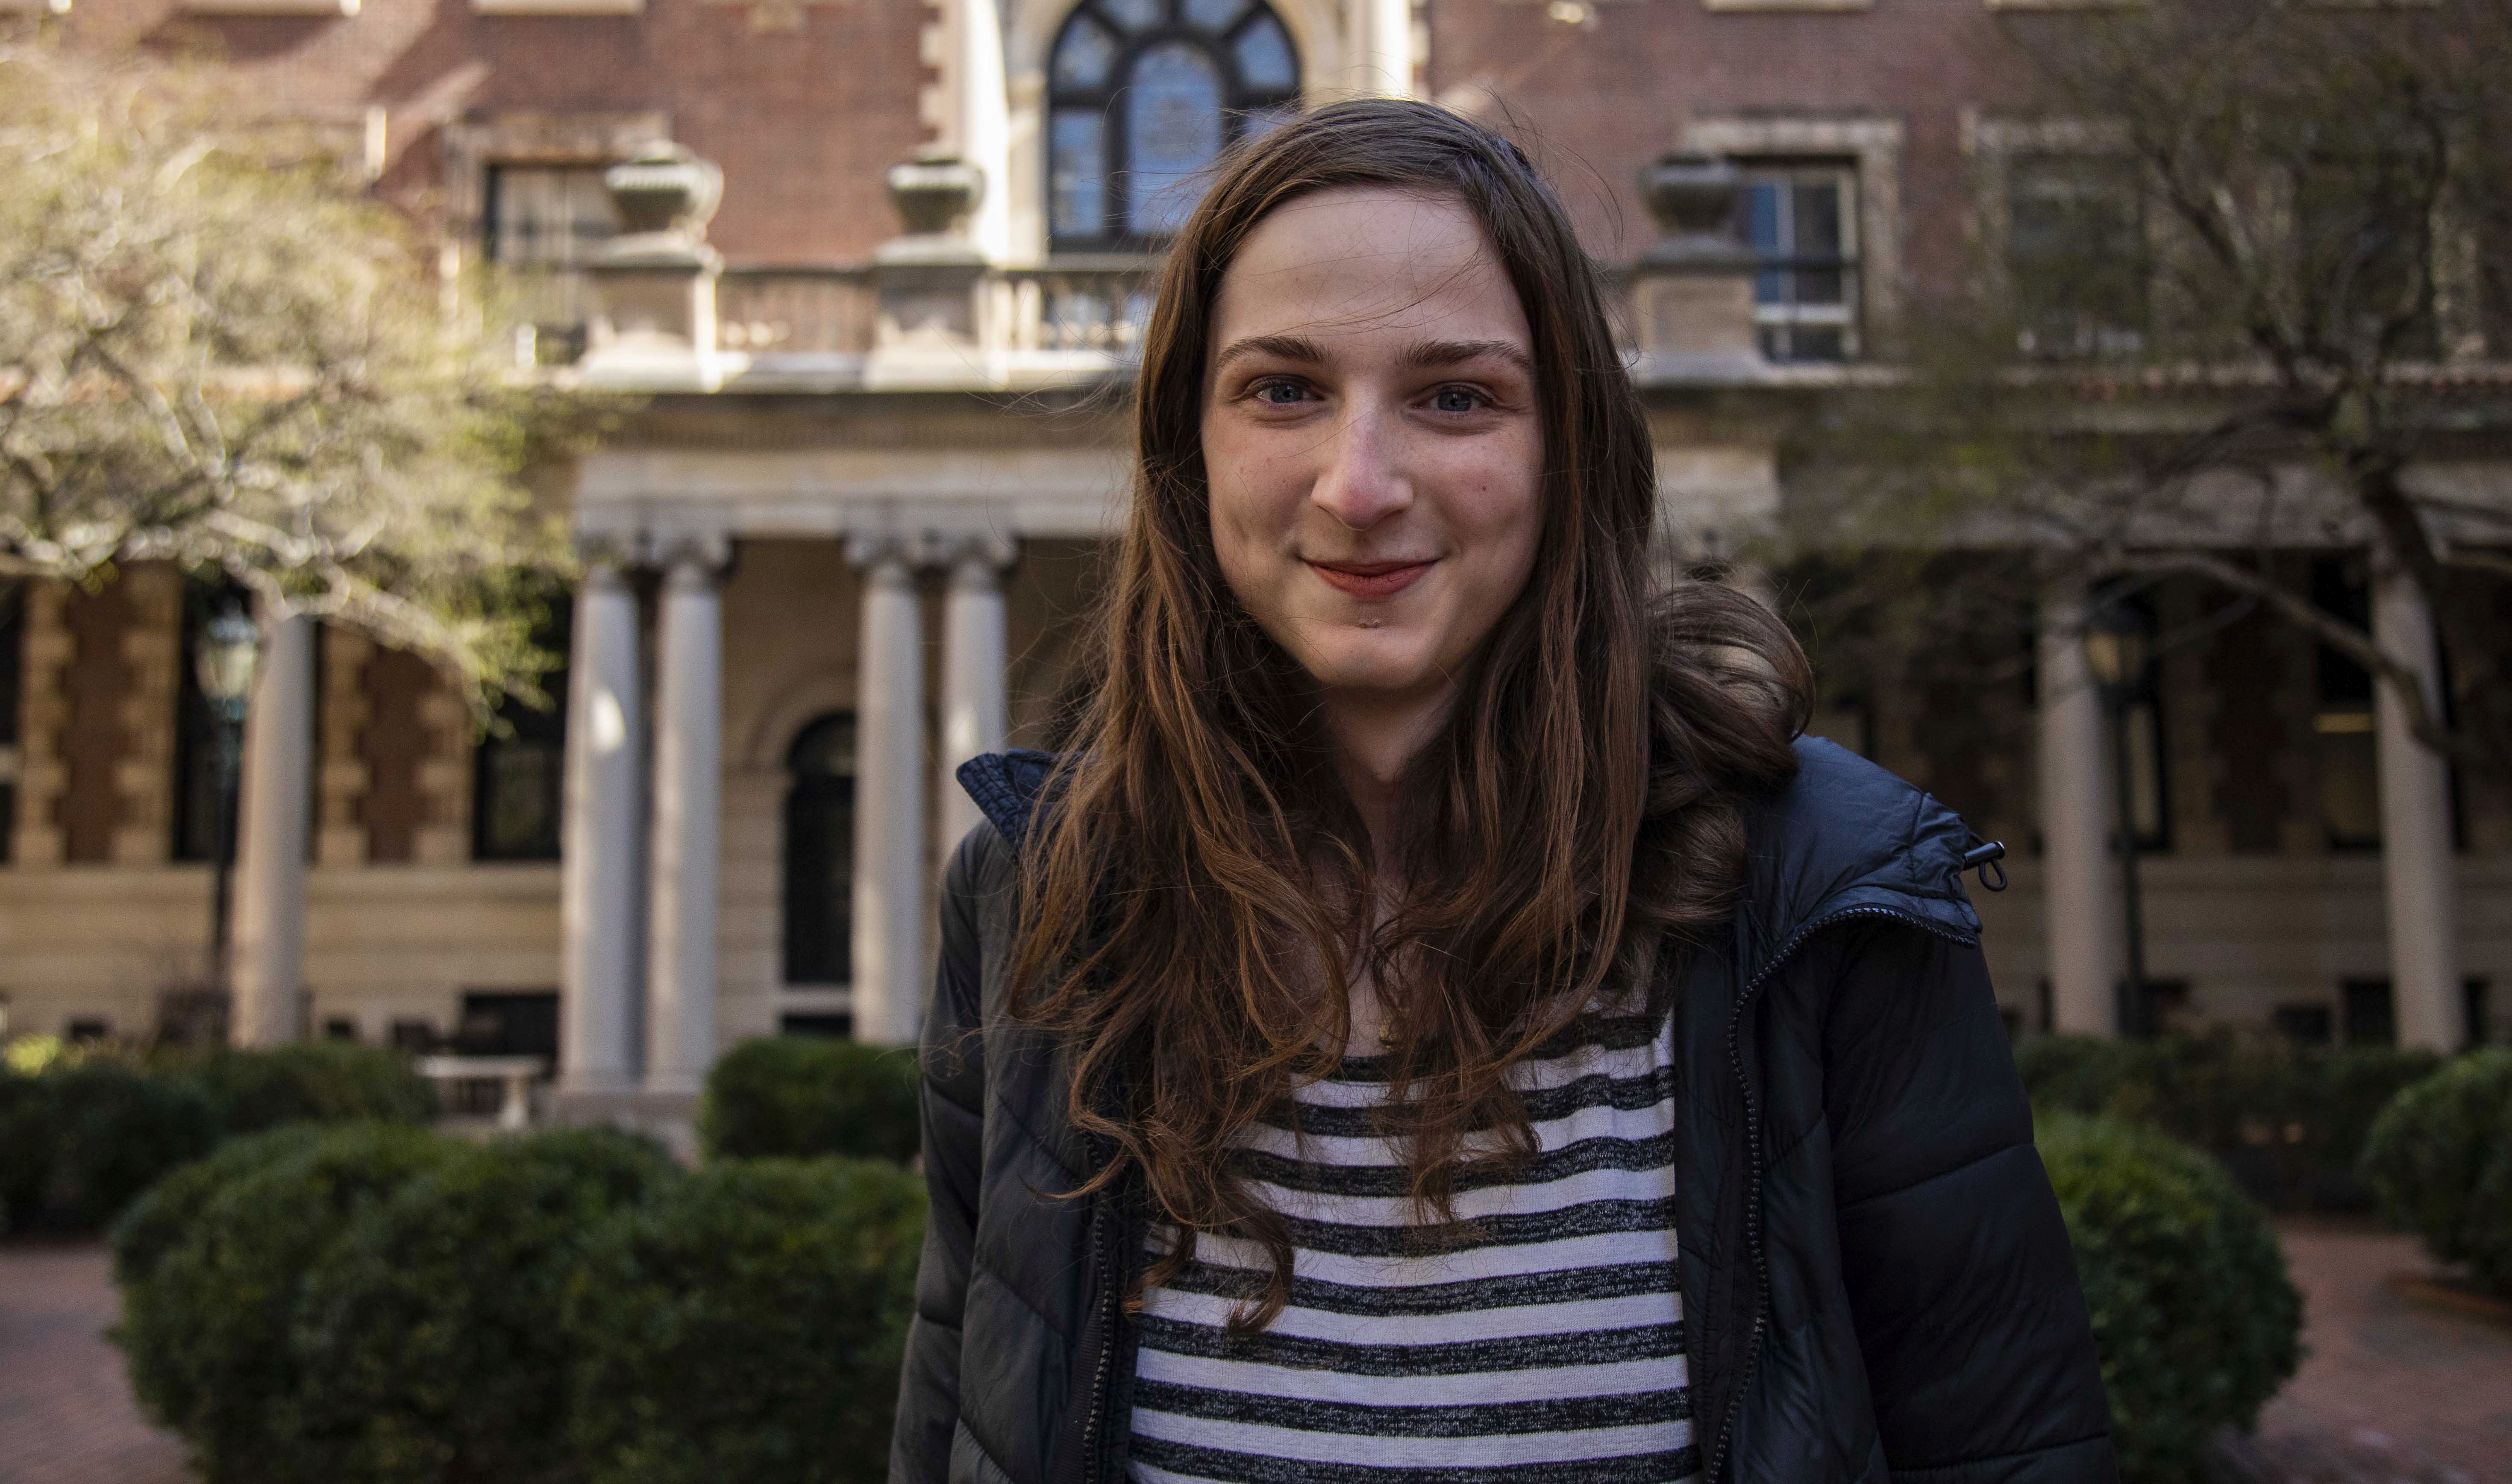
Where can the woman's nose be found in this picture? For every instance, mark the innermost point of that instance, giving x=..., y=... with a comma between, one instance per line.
x=1364, y=480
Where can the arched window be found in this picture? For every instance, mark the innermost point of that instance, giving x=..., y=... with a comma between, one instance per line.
x=1141, y=95
x=820, y=852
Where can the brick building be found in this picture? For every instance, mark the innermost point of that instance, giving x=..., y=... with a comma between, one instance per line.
x=841, y=547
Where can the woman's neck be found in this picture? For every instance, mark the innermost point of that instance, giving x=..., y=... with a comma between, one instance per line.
x=1376, y=736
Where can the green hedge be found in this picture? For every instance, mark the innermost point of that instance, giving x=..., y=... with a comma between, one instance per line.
x=748, y=1326
x=2289, y=1121
x=81, y=1139
x=311, y=1082
x=2194, y=1316
x=380, y=1303
x=430, y=1337
x=799, y=1097
x=213, y=1261
x=2441, y=1157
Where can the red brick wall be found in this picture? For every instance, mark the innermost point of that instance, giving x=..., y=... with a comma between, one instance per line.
x=803, y=122
x=1600, y=103
x=93, y=742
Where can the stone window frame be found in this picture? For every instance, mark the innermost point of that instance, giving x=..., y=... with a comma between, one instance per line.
x=1030, y=30
x=473, y=147
x=1873, y=146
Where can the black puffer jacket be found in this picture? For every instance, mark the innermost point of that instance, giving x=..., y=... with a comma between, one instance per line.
x=1876, y=1281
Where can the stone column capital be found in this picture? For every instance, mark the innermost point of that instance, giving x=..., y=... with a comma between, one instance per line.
x=881, y=548
x=967, y=550
x=708, y=552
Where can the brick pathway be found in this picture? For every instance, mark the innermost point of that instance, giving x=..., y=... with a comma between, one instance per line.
x=65, y=1410
x=2391, y=1393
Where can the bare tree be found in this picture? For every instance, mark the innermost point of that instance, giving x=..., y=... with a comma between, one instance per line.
x=2244, y=284
x=217, y=350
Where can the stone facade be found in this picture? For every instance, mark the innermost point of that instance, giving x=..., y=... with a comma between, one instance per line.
x=876, y=471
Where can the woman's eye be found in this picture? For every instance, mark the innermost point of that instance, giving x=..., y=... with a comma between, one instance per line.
x=1456, y=399
x=1281, y=392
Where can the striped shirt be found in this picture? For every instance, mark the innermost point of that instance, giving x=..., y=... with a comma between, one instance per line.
x=1545, y=1344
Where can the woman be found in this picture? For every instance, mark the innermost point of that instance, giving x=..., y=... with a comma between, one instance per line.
x=1432, y=1023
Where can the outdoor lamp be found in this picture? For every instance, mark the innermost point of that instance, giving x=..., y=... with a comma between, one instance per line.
x=229, y=648
x=2115, y=647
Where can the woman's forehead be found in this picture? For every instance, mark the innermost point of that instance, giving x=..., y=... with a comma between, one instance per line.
x=1371, y=262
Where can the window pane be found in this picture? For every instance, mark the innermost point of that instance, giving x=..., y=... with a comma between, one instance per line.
x=1256, y=122
x=1133, y=15
x=1816, y=224
x=1765, y=208
x=1807, y=343
x=1770, y=287
x=1086, y=55
x=1820, y=286
x=1265, y=58
x=1213, y=15
x=1173, y=127
x=1078, y=174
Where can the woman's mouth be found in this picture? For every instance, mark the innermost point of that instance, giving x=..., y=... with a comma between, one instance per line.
x=1371, y=579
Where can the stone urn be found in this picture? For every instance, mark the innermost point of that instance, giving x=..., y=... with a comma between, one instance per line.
x=1694, y=199
x=664, y=191
x=933, y=197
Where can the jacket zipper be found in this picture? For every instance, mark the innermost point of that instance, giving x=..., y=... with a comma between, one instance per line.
x=1093, y=1420
x=1753, y=1147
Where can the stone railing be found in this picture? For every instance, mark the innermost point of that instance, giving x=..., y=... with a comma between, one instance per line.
x=808, y=311
x=933, y=312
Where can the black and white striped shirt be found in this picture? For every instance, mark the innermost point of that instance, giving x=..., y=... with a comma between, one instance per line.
x=1544, y=1344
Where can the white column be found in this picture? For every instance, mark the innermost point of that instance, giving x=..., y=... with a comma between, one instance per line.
x=688, y=777
x=890, y=799
x=600, y=877
x=974, y=114
x=972, y=677
x=274, y=815
x=2417, y=866
x=1382, y=46
x=2080, y=880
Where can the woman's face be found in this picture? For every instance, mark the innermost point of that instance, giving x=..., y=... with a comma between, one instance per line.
x=1370, y=438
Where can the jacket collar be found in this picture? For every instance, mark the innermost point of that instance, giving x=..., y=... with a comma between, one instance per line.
x=1843, y=838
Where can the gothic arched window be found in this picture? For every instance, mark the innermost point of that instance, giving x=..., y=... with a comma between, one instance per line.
x=820, y=852
x=1141, y=95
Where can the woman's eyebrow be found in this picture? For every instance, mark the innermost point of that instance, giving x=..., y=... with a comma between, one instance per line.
x=1429, y=354
x=1282, y=347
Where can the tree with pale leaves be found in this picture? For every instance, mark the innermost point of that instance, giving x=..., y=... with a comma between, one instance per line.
x=219, y=350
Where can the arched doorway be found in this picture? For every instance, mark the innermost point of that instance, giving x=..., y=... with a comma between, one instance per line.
x=820, y=851
x=1142, y=95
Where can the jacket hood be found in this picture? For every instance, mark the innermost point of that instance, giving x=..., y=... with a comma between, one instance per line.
x=1843, y=838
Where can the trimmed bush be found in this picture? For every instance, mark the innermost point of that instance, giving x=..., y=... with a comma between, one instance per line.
x=212, y=1264
x=312, y=1082
x=429, y=1339
x=85, y=1139
x=2289, y=1121
x=2195, y=1318
x=799, y=1097
x=2441, y=1157
x=748, y=1326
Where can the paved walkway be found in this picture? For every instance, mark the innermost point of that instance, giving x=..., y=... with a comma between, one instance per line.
x=65, y=1410
x=2391, y=1393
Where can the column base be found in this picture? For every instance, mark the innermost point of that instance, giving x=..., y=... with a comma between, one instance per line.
x=670, y=1119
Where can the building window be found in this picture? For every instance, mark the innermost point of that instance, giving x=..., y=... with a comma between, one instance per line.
x=1142, y=96
x=2477, y=1022
x=2351, y=779
x=820, y=853
x=2371, y=1018
x=2075, y=256
x=2303, y=1025
x=518, y=778
x=543, y=224
x=1802, y=221
x=12, y=656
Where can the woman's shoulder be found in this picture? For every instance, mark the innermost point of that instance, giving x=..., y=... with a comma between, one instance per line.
x=1845, y=837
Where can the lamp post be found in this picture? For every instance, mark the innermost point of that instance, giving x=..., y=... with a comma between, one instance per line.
x=229, y=647
x=2116, y=651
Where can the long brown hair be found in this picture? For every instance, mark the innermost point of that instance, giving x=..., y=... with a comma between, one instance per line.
x=1202, y=894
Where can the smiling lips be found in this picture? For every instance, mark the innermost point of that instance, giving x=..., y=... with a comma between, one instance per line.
x=1370, y=579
